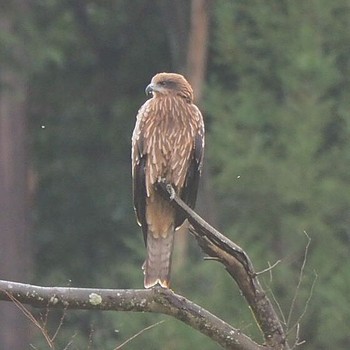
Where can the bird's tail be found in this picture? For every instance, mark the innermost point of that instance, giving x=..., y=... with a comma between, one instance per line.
x=158, y=263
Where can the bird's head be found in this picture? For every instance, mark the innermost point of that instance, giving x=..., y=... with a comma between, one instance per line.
x=165, y=84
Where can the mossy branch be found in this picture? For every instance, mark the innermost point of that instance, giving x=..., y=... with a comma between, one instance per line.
x=165, y=301
x=238, y=265
x=156, y=300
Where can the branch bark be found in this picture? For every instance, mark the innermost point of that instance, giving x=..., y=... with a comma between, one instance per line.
x=238, y=265
x=156, y=300
x=159, y=300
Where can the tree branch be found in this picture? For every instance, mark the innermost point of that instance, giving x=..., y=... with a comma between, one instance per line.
x=156, y=300
x=165, y=301
x=238, y=265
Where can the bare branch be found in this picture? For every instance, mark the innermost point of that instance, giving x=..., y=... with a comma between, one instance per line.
x=238, y=265
x=156, y=300
x=297, y=323
x=138, y=333
x=301, y=275
x=29, y=315
x=165, y=301
x=297, y=337
x=278, y=307
x=268, y=269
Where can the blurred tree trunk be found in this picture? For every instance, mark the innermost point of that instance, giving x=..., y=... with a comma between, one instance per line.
x=196, y=70
x=15, y=255
x=197, y=51
x=193, y=48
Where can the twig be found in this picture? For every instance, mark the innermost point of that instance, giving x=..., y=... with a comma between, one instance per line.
x=59, y=325
x=28, y=314
x=239, y=266
x=138, y=333
x=210, y=258
x=297, y=337
x=159, y=300
x=305, y=308
x=156, y=300
x=280, y=311
x=301, y=275
x=91, y=338
x=71, y=341
x=268, y=268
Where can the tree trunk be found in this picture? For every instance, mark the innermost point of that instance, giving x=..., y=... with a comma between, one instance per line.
x=196, y=70
x=15, y=255
x=196, y=67
x=197, y=51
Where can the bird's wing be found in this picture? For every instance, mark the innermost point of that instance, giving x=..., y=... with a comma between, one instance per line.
x=189, y=190
x=138, y=173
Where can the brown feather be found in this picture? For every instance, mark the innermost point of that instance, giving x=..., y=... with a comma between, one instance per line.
x=158, y=263
x=167, y=143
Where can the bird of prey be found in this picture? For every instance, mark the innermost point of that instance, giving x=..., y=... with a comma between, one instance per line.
x=167, y=145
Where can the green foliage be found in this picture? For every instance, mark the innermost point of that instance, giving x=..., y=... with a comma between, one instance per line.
x=279, y=145
x=277, y=110
x=86, y=104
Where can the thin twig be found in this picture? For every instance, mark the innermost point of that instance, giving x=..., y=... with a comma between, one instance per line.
x=71, y=341
x=44, y=318
x=305, y=307
x=138, y=333
x=268, y=268
x=278, y=306
x=297, y=337
x=29, y=315
x=270, y=273
x=301, y=275
x=91, y=337
x=210, y=258
x=60, y=324
x=156, y=300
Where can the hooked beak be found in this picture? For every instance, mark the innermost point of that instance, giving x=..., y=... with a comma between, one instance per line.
x=149, y=89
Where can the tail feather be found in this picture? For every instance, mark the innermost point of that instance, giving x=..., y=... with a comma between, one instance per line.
x=158, y=263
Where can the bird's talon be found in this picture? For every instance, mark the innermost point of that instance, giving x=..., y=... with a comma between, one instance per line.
x=171, y=191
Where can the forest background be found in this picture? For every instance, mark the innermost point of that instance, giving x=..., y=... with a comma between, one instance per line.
x=275, y=97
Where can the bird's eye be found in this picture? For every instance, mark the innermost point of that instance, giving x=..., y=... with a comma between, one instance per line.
x=162, y=83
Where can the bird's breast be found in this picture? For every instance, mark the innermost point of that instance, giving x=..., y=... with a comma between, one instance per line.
x=169, y=133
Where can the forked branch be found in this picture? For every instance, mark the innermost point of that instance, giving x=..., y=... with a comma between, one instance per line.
x=165, y=301
x=156, y=300
x=238, y=265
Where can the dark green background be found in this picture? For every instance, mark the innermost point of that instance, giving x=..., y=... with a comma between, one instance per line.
x=276, y=105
